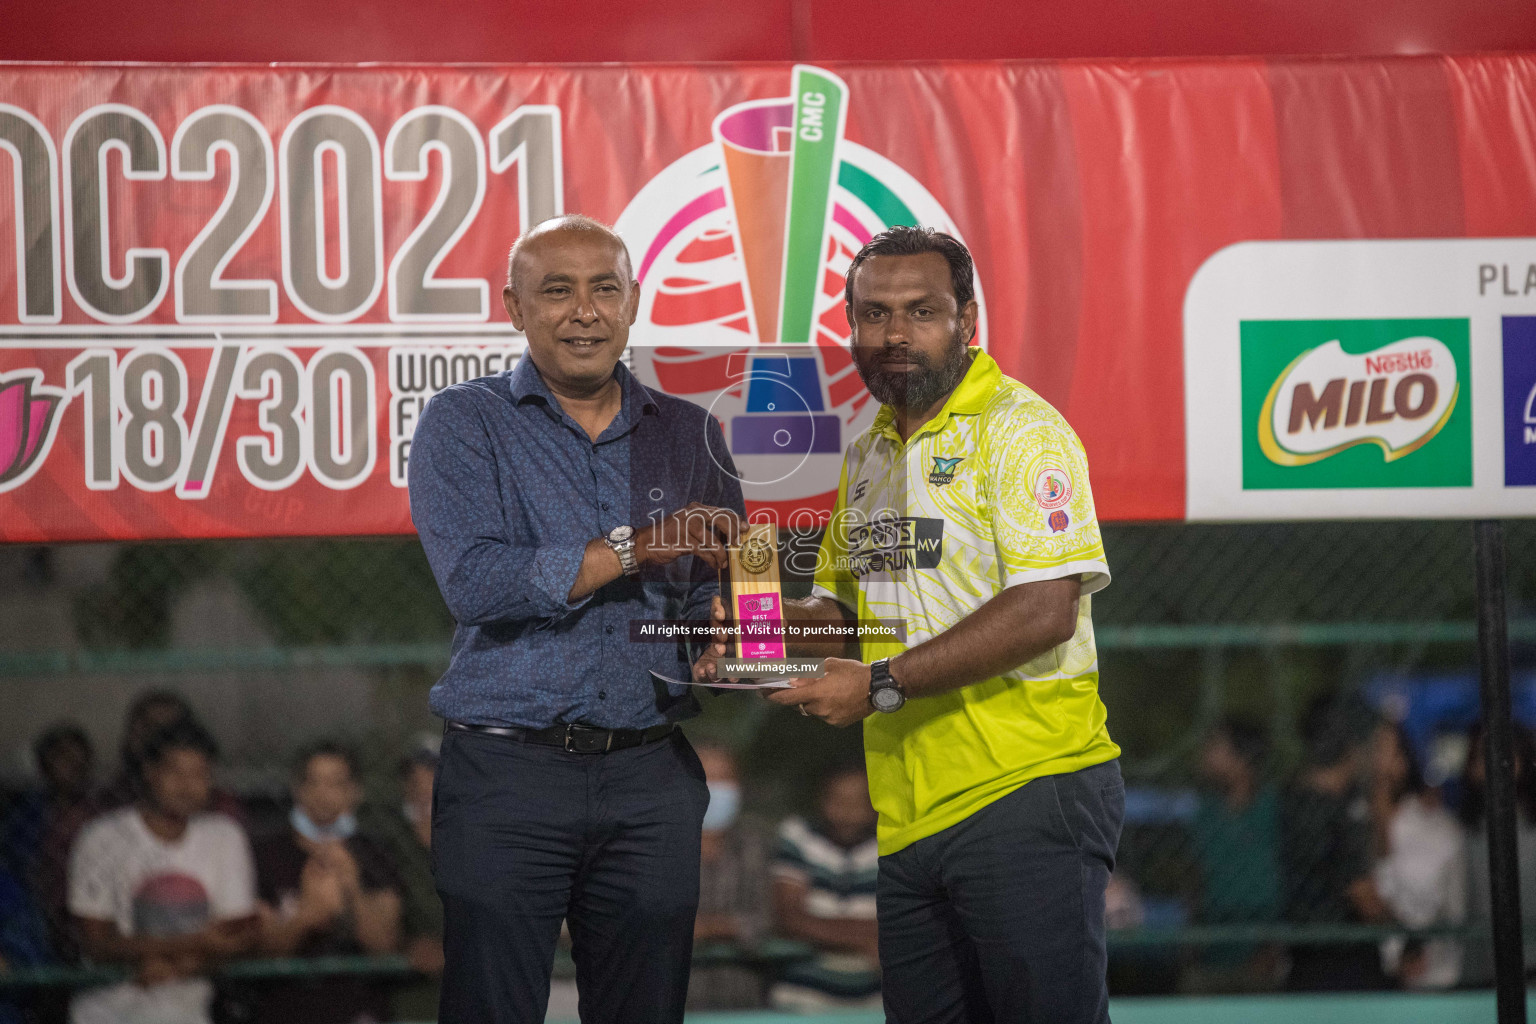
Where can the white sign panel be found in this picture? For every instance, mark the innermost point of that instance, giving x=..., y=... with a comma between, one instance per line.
x=1362, y=380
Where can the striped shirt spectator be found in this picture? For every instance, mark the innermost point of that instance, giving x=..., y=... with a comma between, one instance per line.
x=824, y=871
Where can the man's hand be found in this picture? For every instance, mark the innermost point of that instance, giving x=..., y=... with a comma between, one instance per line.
x=224, y=940
x=706, y=669
x=840, y=698
x=321, y=896
x=338, y=860
x=694, y=529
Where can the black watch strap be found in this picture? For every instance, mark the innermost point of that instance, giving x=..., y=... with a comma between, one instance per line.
x=885, y=694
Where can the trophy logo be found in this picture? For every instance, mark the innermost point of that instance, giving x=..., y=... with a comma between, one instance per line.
x=757, y=554
x=742, y=248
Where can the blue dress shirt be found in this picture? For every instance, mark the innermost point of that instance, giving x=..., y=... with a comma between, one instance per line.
x=506, y=491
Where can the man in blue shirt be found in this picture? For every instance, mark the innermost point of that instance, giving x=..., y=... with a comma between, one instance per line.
x=559, y=502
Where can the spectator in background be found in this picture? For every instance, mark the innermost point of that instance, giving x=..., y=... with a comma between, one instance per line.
x=733, y=899
x=1325, y=849
x=42, y=826
x=1420, y=867
x=164, y=886
x=1236, y=837
x=150, y=712
x=23, y=938
x=405, y=830
x=824, y=873
x=1477, y=956
x=325, y=889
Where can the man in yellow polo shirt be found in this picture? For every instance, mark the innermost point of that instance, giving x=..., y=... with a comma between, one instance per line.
x=965, y=512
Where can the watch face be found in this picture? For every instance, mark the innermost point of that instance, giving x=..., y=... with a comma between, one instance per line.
x=620, y=534
x=888, y=698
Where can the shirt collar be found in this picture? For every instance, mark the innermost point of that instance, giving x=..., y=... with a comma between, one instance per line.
x=526, y=382
x=970, y=397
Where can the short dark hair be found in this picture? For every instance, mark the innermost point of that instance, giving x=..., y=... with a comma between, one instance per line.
x=60, y=735
x=1334, y=726
x=185, y=734
x=324, y=748
x=910, y=241
x=423, y=756
x=1248, y=741
x=842, y=766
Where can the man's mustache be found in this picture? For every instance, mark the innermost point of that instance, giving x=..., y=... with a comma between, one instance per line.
x=886, y=355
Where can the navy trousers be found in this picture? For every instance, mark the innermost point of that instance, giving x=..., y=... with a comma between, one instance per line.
x=525, y=836
x=1000, y=918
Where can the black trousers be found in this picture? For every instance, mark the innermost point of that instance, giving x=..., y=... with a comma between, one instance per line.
x=1000, y=918
x=525, y=836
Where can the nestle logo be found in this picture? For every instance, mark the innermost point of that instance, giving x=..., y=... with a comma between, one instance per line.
x=1401, y=362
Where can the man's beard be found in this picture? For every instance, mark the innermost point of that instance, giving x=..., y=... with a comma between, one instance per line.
x=918, y=388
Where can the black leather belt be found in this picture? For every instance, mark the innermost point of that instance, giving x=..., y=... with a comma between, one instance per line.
x=576, y=738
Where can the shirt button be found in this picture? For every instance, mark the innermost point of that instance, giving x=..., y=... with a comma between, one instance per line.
x=602, y=694
x=605, y=506
x=608, y=629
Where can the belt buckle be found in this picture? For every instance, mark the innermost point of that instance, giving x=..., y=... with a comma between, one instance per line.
x=578, y=740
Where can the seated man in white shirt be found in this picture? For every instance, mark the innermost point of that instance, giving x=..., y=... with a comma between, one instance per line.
x=163, y=886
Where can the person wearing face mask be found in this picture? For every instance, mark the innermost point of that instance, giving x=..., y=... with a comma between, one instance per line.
x=733, y=898
x=325, y=889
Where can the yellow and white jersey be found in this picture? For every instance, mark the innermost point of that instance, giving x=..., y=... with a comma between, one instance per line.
x=991, y=493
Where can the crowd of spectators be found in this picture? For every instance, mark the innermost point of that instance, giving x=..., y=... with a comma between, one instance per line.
x=165, y=875
x=1356, y=836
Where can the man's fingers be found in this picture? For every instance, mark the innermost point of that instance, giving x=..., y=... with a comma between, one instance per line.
x=795, y=693
x=712, y=520
x=728, y=526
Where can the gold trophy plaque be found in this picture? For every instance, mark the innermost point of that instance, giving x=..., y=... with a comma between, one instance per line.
x=751, y=591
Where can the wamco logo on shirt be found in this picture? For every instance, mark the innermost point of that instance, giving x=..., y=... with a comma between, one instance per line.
x=890, y=544
x=1356, y=403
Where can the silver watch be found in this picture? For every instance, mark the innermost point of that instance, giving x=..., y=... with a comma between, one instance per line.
x=622, y=540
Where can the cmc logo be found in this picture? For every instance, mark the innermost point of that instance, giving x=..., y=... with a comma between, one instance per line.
x=1397, y=397
x=1356, y=403
x=741, y=247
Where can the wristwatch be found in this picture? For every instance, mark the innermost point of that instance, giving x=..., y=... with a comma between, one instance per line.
x=884, y=692
x=622, y=540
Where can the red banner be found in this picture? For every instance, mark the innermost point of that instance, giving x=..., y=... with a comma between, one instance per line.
x=231, y=289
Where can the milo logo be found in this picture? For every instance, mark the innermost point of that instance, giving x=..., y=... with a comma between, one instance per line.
x=1357, y=403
